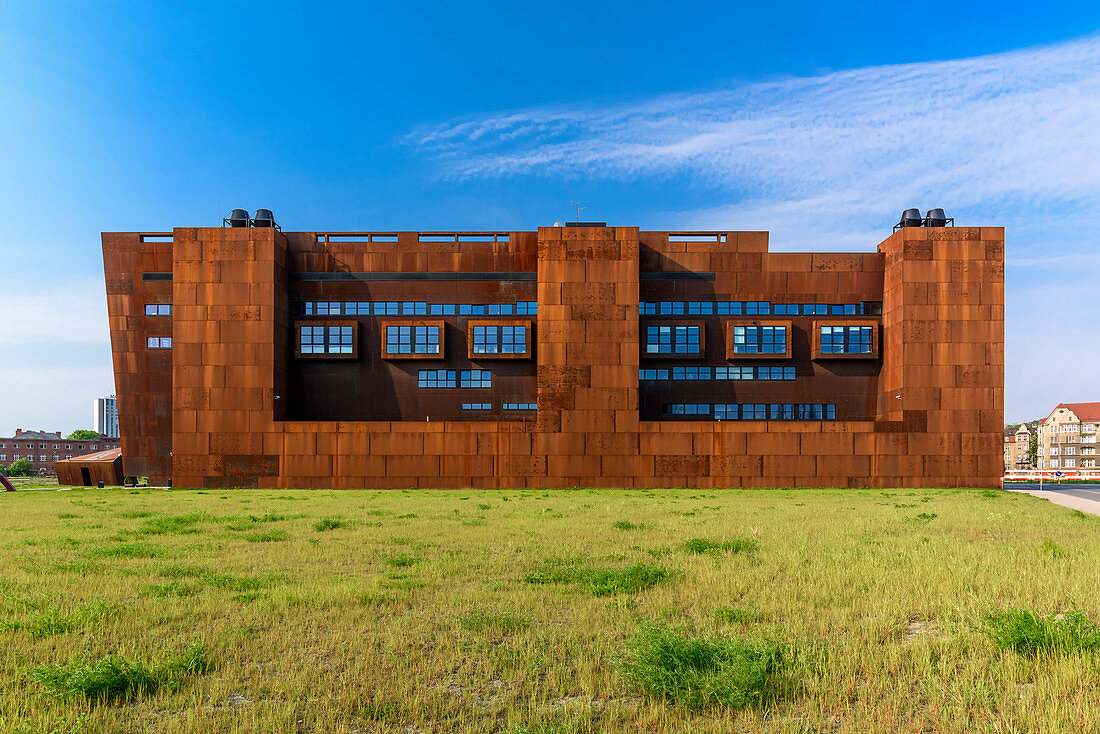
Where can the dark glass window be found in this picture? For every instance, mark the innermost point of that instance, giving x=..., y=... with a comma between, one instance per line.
x=477, y=406
x=520, y=406
x=475, y=378
x=672, y=340
x=760, y=340
x=500, y=339
x=412, y=339
x=325, y=340
x=438, y=378
x=846, y=339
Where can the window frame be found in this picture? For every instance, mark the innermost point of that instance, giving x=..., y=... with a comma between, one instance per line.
x=816, y=339
x=529, y=330
x=385, y=326
x=354, y=354
x=732, y=324
x=644, y=339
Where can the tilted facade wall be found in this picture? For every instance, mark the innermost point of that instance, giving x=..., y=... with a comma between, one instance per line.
x=926, y=411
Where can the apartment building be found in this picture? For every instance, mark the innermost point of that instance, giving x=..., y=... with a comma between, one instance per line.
x=43, y=448
x=579, y=355
x=1017, y=446
x=105, y=416
x=1067, y=437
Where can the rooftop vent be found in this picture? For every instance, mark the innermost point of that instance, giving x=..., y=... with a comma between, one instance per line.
x=911, y=218
x=236, y=218
x=937, y=218
x=264, y=218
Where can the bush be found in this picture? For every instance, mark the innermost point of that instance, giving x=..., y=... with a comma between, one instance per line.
x=114, y=676
x=626, y=525
x=603, y=581
x=328, y=523
x=700, y=671
x=20, y=468
x=740, y=545
x=1029, y=633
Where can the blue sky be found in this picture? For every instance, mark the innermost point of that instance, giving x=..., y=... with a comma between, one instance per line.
x=819, y=122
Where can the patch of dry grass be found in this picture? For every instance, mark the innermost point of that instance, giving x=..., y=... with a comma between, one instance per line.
x=527, y=611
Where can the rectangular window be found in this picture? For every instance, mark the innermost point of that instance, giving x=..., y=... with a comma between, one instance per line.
x=845, y=340
x=1053, y=463
x=520, y=406
x=759, y=339
x=477, y=406
x=475, y=378
x=691, y=373
x=652, y=374
x=412, y=339
x=1071, y=450
x=3, y=457
x=438, y=378
x=57, y=457
x=159, y=342
x=774, y=373
x=325, y=340
x=42, y=457
x=158, y=309
x=756, y=411
x=1070, y=463
x=673, y=339
x=500, y=339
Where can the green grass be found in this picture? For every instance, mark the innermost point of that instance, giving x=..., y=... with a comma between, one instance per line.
x=834, y=611
x=699, y=545
x=328, y=523
x=706, y=670
x=1029, y=633
x=115, y=676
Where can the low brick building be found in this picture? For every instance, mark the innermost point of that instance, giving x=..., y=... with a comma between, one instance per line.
x=567, y=356
x=43, y=448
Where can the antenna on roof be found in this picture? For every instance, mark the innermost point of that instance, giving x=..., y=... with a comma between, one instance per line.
x=579, y=208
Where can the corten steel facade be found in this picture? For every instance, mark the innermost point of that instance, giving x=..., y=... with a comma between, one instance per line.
x=303, y=359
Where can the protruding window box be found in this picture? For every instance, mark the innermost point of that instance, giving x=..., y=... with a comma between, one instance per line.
x=499, y=338
x=674, y=340
x=325, y=339
x=758, y=339
x=845, y=340
x=412, y=339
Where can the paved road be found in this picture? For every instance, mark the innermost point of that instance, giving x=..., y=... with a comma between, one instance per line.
x=1083, y=497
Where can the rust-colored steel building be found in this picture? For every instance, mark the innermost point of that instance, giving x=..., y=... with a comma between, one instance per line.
x=570, y=356
x=90, y=469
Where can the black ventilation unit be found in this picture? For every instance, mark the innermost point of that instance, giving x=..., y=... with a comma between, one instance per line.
x=264, y=218
x=937, y=218
x=236, y=218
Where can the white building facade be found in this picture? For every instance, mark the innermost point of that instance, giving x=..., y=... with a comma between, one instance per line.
x=105, y=416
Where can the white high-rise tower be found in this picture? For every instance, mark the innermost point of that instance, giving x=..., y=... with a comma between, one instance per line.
x=105, y=416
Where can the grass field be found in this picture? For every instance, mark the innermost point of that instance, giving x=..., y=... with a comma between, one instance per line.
x=536, y=611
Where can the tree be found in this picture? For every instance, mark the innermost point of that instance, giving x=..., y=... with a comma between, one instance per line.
x=20, y=468
x=1033, y=449
x=83, y=434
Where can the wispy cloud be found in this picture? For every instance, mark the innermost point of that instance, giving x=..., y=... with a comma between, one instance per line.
x=828, y=162
x=850, y=147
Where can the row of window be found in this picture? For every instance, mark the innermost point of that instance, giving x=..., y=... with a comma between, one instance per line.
x=756, y=411
x=1072, y=451
x=414, y=308
x=505, y=406
x=1072, y=463
x=673, y=339
x=521, y=308
x=30, y=446
x=500, y=339
x=1072, y=428
x=718, y=373
x=756, y=308
x=455, y=378
x=30, y=457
